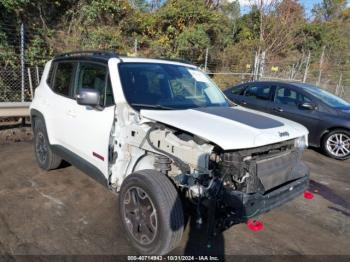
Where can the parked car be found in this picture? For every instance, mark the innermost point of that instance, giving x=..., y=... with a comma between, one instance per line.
x=161, y=134
x=326, y=116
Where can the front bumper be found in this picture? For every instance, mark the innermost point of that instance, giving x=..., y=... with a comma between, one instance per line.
x=250, y=205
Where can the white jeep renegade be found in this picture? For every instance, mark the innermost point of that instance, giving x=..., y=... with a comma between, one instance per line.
x=162, y=135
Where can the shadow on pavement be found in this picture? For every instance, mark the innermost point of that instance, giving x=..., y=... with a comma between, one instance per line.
x=197, y=243
x=328, y=194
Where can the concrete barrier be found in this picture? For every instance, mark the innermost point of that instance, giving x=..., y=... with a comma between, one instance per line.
x=14, y=109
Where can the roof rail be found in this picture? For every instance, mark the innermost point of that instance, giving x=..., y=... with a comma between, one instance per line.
x=176, y=60
x=87, y=53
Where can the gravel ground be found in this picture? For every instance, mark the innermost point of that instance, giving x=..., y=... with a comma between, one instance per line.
x=64, y=212
x=13, y=130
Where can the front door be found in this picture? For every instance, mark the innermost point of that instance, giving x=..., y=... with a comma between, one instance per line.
x=287, y=104
x=90, y=128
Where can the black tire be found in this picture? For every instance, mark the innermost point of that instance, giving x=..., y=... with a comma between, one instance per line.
x=45, y=158
x=332, y=151
x=168, y=211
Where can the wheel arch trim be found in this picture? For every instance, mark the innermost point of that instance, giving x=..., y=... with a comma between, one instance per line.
x=326, y=131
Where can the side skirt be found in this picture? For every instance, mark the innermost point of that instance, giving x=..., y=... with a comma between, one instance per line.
x=81, y=164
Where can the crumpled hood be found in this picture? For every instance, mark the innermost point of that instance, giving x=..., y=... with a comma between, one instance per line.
x=230, y=127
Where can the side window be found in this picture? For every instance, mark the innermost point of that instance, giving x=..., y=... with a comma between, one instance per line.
x=258, y=92
x=303, y=99
x=286, y=96
x=95, y=76
x=237, y=90
x=63, y=77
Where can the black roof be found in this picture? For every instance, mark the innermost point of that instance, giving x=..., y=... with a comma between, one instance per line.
x=290, y=82
x=102, y=55
x=297, y=84
x=87, y=54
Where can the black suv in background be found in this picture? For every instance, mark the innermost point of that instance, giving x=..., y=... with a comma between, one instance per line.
x=326, y=116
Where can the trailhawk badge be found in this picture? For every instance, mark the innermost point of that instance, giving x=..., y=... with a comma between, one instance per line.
x=282, y=134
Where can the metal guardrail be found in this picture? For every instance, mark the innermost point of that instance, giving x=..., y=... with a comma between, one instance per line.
x=14, y=109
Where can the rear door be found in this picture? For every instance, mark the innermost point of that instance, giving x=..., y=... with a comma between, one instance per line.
x=90, y=128
x=60, y=101
x=256, y=96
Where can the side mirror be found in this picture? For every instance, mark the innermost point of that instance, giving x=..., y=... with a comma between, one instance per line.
x=88, y=97
x=307, y=106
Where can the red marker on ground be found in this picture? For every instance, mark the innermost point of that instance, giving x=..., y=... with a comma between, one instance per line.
x=308, y=195
x=255, y=225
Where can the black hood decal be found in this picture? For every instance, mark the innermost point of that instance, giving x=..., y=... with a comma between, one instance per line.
x=241, y=116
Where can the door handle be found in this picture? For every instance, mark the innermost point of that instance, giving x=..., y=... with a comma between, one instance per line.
x=243, y=102
x=71, y=113
x=278, y=109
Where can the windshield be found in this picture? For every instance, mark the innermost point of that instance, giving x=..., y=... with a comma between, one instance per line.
x=326, y=97
x=166, y=86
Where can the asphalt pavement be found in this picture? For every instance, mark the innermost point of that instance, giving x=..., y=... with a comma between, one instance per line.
x=64, y=212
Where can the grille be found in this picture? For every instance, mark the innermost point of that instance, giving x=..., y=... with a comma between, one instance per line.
x=268, y=166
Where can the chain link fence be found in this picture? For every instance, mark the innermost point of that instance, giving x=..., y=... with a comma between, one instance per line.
x=11, y=83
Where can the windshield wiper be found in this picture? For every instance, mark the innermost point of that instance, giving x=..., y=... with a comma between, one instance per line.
x=152, y=106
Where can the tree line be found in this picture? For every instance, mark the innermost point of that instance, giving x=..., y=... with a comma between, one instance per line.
x=280, y=32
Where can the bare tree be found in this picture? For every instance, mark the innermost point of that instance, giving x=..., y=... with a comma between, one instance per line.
x=212, y=3
x=278, y=22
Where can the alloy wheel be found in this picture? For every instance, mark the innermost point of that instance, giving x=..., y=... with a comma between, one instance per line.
x=140, y=215
x=41, y=147
x=338, y=145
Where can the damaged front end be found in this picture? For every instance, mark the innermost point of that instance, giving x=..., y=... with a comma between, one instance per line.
x=246, y=183
x=226, y=187
x=260, y=179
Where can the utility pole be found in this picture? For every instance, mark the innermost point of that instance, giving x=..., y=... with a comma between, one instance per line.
x=261, y=67
x=261, y=54
x=22, y=62
x=339, y=86
x=135, y=47
x=291, y=76
x=307, y=67
x=256, y=63
x=30, y=83
x=37, y=75
x=206, y=59
x=321, y=64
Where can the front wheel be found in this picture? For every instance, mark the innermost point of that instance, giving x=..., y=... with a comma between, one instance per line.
x=336, y=144
x=151, y=212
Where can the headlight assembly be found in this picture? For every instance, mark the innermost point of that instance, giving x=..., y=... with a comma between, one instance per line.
x=300, y=143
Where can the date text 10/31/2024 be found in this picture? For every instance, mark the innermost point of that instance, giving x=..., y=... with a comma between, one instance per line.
x=173, y=258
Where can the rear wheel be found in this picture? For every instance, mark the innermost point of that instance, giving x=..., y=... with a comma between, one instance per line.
x=46, y=159
x=336, y=144
x=151, y=211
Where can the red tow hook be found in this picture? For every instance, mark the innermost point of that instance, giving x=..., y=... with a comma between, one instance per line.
x=255, y=225
x=308, y=195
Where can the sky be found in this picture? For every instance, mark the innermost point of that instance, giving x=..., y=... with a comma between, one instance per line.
x=308, y=5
